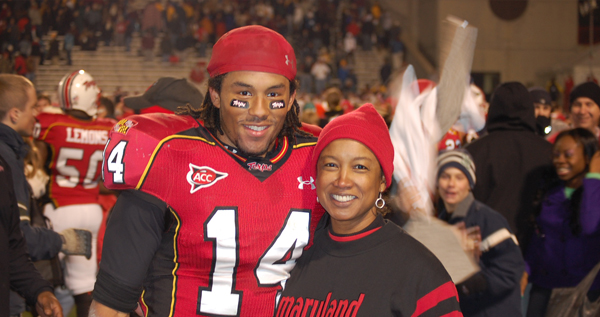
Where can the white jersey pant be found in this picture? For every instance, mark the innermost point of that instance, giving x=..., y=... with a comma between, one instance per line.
x=80, y=273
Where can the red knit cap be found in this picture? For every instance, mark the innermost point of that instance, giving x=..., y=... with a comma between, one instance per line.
x=253, y=48
x=366, y=126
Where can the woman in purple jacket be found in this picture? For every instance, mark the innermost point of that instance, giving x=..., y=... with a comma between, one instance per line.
x=566, y=244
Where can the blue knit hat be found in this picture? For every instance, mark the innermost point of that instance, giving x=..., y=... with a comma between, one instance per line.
x=460, y=159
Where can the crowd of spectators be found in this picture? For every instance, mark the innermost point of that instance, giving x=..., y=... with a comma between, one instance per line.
x=324, y=33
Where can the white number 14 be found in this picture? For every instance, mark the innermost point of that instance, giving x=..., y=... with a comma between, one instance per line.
x=220, y=297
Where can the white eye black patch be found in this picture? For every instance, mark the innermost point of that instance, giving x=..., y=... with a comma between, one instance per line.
x=279, y=104
x=239, y=103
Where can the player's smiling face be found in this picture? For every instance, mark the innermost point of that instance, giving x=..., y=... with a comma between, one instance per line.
x=248, y=119
x=349, y=180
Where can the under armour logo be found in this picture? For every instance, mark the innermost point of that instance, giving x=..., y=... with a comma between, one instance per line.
x=302, y=183
x=287, y=60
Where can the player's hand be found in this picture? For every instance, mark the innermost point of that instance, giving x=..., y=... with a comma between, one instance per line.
x=48, y=306
x=595, y=163
x=77, y=242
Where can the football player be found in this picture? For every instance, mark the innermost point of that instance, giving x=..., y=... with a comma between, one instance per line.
x=219, y=202
x=73, y=143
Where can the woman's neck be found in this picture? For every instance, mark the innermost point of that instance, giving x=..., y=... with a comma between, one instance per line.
x=354, y=225
x=576, y=181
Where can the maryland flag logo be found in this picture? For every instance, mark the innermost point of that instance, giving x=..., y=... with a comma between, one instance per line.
x=124, y=125
x=203, y=176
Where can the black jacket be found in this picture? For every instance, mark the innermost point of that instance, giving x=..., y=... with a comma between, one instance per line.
x=42, y=243
x=16, y=269
x=511, y=162
x=495, y=289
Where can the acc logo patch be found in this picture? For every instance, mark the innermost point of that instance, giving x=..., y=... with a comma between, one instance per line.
x=203, y=176
x=124, y=125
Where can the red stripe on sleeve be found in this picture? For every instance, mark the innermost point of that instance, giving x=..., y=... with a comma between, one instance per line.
x=434, y=297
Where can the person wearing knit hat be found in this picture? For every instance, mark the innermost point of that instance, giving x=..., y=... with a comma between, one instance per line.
x=585, y=107
x=495, y=289
x=363, y=125
x=229, y=175
x=354, y=163
x=542, y=104
x=460, y=159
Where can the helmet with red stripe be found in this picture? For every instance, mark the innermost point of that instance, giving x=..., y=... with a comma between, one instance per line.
x=78, y=91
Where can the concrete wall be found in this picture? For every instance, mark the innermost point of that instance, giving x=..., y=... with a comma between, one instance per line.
x=527, y=49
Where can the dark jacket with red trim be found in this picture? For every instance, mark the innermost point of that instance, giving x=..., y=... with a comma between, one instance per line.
x=495, y=290
x=385, y=273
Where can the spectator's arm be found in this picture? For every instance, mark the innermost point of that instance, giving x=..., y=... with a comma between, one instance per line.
x=42, y=243
x=589, y=212
x=502, y=267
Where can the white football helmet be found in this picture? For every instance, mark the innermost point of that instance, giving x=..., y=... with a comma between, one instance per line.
x=78, y=91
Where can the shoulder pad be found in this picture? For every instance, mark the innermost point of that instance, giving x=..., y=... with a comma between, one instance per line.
x=106, y=121
x=302, y=141
x=312, y=129
x=44, y=121
x=47, y=118
x=131, y=143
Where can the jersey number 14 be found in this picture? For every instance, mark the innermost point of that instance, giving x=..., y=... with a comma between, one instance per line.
x=220, y=297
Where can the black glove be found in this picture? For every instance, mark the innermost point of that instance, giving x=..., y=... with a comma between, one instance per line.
x=77, y=242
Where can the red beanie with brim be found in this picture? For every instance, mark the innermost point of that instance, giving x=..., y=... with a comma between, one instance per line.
x=366, y=126
x=253, y=48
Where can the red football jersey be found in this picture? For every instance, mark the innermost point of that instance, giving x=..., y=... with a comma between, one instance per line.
x=75, y=150
x=239, y=224
x=450, y=141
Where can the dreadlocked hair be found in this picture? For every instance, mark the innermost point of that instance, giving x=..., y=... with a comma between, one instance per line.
x=210, y=115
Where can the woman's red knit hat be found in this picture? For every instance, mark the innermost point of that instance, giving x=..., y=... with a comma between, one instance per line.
x=366, y=126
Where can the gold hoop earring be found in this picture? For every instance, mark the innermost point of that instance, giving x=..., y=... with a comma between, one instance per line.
x=379, y=202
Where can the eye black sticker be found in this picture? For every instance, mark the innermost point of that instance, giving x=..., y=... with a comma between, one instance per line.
x=279, y=104
x=239, y=103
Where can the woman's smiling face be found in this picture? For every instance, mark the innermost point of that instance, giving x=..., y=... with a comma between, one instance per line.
x=349, y=180
x=569, y=160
